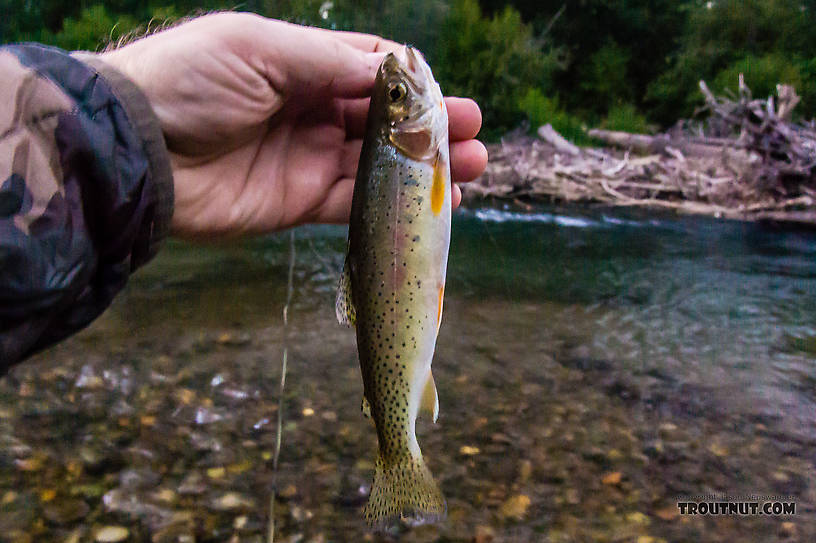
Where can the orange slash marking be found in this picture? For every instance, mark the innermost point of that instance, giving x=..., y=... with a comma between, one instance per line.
x=439, y=307
x=438, y=187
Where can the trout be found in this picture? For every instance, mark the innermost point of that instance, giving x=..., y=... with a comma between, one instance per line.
x=393, y=279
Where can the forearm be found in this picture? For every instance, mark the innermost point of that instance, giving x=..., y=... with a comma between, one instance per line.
x=86, y=193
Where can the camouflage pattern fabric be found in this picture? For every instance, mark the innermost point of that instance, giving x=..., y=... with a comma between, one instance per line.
x=85, y=193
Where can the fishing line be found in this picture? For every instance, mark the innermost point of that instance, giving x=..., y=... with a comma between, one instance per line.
x=279, y=433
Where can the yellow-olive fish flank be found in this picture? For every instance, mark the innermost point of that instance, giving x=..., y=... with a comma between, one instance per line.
x=394, y=278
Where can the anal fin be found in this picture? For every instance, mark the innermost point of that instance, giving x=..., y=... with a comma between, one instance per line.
x=430, y=400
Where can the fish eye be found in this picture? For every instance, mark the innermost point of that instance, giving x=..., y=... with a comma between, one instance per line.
x=397, y=92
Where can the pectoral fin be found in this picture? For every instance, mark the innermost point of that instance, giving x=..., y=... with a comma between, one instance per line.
x=343, y=305
x=365, y=407
x=430, y=401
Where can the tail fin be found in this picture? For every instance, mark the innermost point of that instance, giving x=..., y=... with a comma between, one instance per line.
x=405, y=491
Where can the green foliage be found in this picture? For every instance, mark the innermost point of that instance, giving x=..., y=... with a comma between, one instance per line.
x=622, y=45
x=541, y=110
x=495, y=60
x=807, y=70
x=718, y=35
x=604, y=77
x=164, y=14
x=306, y=12
x=626, y=118
x=761, y=75
x=92, y=29
x=613, y=60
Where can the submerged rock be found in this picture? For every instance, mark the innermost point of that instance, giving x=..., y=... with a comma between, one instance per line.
x=65, y=512
x=515, y=507
x=111, y=534
x=232, y=501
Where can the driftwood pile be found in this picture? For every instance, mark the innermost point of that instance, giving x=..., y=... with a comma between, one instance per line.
x=748, y=161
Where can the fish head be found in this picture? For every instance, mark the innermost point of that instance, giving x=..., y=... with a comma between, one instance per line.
x=411, y=101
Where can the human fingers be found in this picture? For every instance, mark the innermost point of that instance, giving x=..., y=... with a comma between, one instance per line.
x=355, y=114
x=464, y=118
x=369, y=43
x=351, y=158
x=456, y=196
x=309, y=62
x=336, y=207
x=468, y=160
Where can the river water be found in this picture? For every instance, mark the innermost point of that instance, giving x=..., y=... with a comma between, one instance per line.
x=594, y=369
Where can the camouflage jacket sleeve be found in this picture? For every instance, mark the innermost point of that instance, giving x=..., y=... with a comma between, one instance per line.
x=85, y=193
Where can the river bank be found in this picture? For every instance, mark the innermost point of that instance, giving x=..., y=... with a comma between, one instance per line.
x=529, y=171
x=746, y=162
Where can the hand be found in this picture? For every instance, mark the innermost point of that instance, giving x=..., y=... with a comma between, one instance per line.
x=264, y=120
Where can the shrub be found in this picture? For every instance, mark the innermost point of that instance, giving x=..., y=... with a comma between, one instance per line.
x=604, y=78
x=541, y=110
x=93, y=28
x=626, y=118
x=494, y=60
x=761, y=75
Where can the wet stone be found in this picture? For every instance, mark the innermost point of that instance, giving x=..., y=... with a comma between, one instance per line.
x=13, y=520
x=515, y=507
x=525, y=470
x=612, y=478
x=165, y=495
x=35, y=463
x=229, y=339
x=300, y=514
x=138, y=478
x=353, y=491
x=669, y=431
x=787, y=529
x=75, y=536
x=65, y=511
x=180, y=529
x=288, y=492
x=484, y=534
x=111, y=534
x=193, y=483
x=670, y=512
x=232, y=501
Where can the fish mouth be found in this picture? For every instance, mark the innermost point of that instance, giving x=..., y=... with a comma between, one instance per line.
x=420, y=129
x=414, y=60
x=410, y=63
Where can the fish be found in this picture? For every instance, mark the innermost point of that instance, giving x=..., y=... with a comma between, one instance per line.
x=393, y=279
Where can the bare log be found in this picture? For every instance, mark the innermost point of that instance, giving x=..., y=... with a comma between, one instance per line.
x=551, y=136
x=662, y=143
x=748, y=162
x=641, y=143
